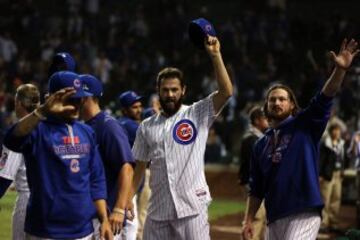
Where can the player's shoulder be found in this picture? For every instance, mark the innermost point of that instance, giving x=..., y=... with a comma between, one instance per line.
x=152, y=120
x=83, y=126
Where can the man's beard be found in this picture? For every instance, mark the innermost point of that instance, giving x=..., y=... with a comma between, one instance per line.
x=171, y=106
x=279, y=117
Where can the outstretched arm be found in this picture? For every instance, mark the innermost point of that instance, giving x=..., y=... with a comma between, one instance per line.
x=54, y=104
x=225, y=88
x=342, y=60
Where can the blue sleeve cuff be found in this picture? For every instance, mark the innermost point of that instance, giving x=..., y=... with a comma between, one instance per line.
x=98, y=195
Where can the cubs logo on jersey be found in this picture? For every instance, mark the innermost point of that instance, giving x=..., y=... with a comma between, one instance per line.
x=74, y=166
x=184, y=132
x=3, y=160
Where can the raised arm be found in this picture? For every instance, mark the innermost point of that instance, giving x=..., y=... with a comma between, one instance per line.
x=342, y=60
x=54, y=105
x=225, y=88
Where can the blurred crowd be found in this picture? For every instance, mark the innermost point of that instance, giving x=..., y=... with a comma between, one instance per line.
x=126, y=43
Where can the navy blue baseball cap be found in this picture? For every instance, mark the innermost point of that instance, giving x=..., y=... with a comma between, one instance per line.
x=62, y=61
x=148, y=112
x=128, y=98
x=198, y=29
x=64, y=79
x=92, y=85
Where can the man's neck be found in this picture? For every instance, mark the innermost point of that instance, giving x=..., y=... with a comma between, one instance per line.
x=274, y=123
x=91, y=112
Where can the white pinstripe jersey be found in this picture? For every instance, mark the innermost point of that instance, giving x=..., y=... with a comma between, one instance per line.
x=12, y=167
x=176, y=147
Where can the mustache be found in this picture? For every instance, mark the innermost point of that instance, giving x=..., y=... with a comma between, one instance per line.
x=168, y=100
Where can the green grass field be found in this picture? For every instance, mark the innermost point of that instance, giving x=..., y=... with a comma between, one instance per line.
x=218, y=208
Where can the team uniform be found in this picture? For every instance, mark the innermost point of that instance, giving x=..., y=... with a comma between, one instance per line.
x=65, y=176
x=12, y=167
x=284, y=171
x=130, y=126
x=115, y=151
x=180, y=195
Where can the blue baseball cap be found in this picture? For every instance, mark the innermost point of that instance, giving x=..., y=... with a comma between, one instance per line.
x=92, y=85
x=198, y=29
x=62, y=61
x=64, y=79
x=148, y=112
x=128, y=98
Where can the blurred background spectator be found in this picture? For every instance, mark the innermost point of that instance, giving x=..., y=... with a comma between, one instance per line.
x=126, y=43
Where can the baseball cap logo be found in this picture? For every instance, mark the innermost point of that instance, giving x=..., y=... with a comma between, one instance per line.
x=85, y=87
x=208, y=27
x=184, y=132
x=77, y=83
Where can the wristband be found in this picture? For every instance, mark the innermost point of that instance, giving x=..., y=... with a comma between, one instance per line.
x=119, y=211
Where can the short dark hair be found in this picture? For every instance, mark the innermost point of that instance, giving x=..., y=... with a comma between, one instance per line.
x=29, y=96
x=291, y=95
x=256, y=113
x=170, y=72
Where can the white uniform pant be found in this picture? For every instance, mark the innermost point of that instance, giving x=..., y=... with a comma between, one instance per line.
x=188, y=228
x=18, y=216
x=303, y=226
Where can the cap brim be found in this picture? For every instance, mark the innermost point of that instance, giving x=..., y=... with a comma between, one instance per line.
x=81, y=94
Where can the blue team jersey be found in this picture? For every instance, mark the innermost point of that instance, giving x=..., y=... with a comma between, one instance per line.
x=284, y=165
x=114, y=149
x=65, y=175
x=131, y=127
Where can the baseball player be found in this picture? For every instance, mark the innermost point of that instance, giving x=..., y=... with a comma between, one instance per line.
x=115, y=152
x=64, y=169
x=258, y=125
x=131, y=108
x=284, y=165
x=12, y=164
x=175, y=141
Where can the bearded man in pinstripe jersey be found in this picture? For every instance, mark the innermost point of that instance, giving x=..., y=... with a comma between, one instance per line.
x=175, y=140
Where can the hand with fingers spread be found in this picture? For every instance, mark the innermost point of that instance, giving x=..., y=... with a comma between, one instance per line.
x=212, y=45
x=57, y=103
x=117, y=219
x=348, y=51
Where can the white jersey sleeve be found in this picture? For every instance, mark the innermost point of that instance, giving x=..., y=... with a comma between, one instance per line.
x=9, y=163
x=204, y=110
x=141, y=148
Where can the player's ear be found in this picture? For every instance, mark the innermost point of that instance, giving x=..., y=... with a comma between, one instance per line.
x=183, y=90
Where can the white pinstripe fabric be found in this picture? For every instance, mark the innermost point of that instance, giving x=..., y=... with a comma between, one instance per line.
x=304, y=226
x=189, y=228
x=177, y=179
x=18, y=217
x=14, y=169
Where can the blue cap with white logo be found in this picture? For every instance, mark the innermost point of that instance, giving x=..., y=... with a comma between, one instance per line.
x=64, y=79
x=128, y=98
x=198, y=29
x=92, y=85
